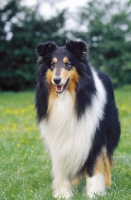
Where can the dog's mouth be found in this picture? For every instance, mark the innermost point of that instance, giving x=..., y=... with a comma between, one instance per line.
x=61, y=88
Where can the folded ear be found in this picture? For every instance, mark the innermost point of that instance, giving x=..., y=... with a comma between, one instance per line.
x=43, y=49
x=77, y=47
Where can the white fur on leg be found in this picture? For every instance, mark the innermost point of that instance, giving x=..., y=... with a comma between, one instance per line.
x=62, y=189
x=96, y=185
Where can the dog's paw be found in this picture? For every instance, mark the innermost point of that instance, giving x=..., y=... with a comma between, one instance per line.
x=63, y=193
x=96, y=186
x=95, y=191
x=62, y=189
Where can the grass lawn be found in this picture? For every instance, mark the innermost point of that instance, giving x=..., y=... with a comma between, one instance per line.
x=25, y=167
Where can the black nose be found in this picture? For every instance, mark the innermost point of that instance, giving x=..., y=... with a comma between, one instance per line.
x=57, y=80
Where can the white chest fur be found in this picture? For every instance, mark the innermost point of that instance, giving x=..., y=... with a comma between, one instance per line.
x=67, y=138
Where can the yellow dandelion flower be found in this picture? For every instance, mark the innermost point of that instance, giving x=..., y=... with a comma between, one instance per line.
x=29, y=128
x=3, y=128
x=22, y=140
x=22, y=111
x=36, y=137
x=18, y=145
x=8, y=110
x=14, y=127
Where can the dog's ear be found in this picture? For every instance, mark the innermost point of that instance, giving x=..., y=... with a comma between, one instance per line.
x=77, y=47
x=43, y=49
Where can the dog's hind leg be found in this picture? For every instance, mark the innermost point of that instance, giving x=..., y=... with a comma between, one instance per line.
x=96, y=183
x=107, y=164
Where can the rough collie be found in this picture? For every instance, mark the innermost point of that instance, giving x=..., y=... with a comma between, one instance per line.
x=77, y=117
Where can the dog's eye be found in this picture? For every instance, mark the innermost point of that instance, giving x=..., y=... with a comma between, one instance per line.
x=68, y=65
x=52, y=66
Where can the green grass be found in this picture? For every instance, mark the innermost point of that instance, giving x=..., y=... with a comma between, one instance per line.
x=25, y=167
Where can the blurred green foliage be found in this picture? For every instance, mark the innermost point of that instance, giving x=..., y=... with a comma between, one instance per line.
x=17, y=55
x=107, y=31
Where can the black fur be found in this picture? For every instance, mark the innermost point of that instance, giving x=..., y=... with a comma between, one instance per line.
x=44, y=51
x=78, y=57
x=76, y=51
x=108, y=132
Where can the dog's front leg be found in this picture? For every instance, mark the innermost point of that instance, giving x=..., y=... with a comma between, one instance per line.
x=62, y=187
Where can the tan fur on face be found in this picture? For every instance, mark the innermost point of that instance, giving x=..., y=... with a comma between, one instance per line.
x=65, y=60
x=54, y=60
x=65, y=74
x=52, y=94
x=73, y=77
x=49, y=75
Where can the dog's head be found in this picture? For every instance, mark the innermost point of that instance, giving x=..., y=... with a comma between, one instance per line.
x=61, y=63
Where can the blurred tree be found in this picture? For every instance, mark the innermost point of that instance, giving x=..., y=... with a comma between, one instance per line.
x=108, y=34
x=21, y=29
x=107, y=30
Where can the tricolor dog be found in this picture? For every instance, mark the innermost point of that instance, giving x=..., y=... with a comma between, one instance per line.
x=77, y=116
